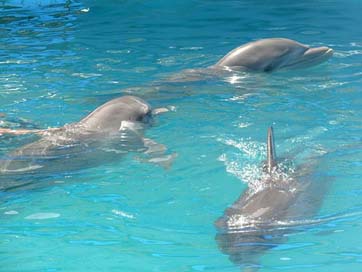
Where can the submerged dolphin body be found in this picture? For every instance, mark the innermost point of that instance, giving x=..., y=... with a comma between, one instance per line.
x=275, y=53
x=258, y=220
x=108, y=133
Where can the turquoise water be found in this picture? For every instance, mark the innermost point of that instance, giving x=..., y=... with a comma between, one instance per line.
x=61, y=59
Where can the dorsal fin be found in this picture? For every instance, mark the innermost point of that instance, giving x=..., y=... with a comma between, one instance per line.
x=271, y=157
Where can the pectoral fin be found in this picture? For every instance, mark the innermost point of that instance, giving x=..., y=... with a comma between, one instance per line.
x=156, y=153
x=153, y=147
x=165, y=160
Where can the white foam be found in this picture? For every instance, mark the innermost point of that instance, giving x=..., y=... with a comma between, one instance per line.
x=250, y=148
x=240, y=221
x=241, y=97
x=244, y=125
x=11, y=212
x=252, y=173
x=41, y=216
x=86, y=75
x=123, y=214
x=193, y=48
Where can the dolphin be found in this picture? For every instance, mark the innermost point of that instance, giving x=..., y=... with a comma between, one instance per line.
x=268, y=55
x=264, y=55
x=259, y=219
x=109, y=132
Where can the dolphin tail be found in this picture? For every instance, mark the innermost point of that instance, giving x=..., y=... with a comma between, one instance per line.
x=271, y=157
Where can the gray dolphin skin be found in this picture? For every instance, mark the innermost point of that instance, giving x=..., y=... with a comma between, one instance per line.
x=106, y=134
x=271, y=54
x=258, y=220
x=109, y=117
x=265, y=55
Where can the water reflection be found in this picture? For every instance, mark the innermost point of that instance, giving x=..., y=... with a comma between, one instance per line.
x=27, y=28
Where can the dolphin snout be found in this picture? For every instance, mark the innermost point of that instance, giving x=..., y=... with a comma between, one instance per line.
x=323, y=52
x=311, y=57
x=329, y=51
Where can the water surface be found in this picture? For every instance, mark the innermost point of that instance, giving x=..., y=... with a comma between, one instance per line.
x=61, y=59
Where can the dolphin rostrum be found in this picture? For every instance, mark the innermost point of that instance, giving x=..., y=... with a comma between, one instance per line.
x=109, y=132
x=258, y=220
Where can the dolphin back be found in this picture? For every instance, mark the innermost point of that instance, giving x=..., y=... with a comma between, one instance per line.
x=271, y=156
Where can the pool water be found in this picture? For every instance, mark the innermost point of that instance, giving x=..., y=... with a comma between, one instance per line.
x=61, y=59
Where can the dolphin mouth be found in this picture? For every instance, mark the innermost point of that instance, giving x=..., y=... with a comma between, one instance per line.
x=319, y=52
x=323, y=56
x=329, y=52
x=312, y=56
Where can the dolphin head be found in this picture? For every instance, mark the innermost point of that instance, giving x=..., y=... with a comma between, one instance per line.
x=137, y=109
x=271, y=54
x=310, y=57
x=109, y=116
x=246, y=248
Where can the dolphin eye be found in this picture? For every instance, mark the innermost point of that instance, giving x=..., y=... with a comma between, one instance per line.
x=144, y=117
x=269, y=68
